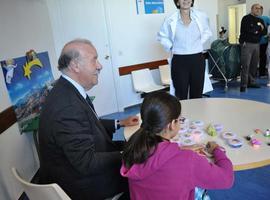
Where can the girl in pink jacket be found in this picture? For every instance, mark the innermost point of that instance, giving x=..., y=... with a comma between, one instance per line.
x=158, y=169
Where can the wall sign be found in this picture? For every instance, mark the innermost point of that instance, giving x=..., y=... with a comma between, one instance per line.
x=150, y=6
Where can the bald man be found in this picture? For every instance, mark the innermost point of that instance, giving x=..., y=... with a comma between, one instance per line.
x=252, y=28
x=76, y=147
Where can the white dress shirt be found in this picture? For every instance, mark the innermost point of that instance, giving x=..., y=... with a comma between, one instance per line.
x=76, y=85
x=187, y=39
x=166, y=35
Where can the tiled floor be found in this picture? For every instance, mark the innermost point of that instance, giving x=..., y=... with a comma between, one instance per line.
x=257, y=94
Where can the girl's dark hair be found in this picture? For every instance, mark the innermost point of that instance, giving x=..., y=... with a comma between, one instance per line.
x=157, y=111
x=178, y=7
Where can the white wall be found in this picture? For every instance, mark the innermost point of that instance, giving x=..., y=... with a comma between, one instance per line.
x=210, y=7
x=223, y=11
x=24, y=25
x=86, y=19
x=133, y=40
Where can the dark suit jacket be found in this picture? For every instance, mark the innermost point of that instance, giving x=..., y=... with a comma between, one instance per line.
x=76, y=149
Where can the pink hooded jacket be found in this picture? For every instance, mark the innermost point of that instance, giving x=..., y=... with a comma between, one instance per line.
x=171, y=173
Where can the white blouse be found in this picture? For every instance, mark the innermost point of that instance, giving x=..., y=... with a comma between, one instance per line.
x=187, y=39
x=166, y=35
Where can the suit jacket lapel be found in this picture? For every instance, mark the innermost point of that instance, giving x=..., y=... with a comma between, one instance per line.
x=93, y=115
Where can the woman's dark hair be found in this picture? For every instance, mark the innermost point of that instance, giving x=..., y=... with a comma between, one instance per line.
x=178, y=6
x=157, y=111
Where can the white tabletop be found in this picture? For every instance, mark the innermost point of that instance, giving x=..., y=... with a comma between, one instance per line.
x=239, y=116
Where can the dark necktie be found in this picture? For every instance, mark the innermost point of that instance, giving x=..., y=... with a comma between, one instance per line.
x=90, y=103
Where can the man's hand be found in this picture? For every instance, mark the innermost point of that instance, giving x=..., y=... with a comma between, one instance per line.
x=130, y=121
x=261, y=25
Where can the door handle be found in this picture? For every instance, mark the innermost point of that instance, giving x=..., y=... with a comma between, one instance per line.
x=107, y=57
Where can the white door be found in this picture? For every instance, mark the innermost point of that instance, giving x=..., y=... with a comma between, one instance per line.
x=72, y=19
x=235, y=15
x=232, y=25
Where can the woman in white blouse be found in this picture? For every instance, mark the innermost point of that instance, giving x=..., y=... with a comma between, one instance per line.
x=183, y=35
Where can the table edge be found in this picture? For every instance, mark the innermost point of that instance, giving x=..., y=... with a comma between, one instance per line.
x=252, y=165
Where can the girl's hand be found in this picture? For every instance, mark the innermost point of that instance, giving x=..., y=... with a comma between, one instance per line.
x=210, y=147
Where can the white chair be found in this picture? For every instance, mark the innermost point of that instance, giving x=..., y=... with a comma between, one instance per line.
x=37, y=191
x=165, y=74
x=207, y=86
x=143, y=81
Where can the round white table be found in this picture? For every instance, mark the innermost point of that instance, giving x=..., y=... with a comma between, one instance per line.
x=239, y=116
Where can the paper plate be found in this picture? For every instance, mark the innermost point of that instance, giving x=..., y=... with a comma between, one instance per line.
x=198, y=123
x=182, y=130
x=218, y=127
x=186, y=136
x=228, y=135
x=235, y=142
x=187, y=142
x=197, y=133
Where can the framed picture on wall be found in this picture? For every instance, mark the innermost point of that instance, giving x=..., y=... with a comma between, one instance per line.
x=149, y=6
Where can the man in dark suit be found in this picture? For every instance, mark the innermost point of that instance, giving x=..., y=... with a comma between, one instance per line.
x=76, y=147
